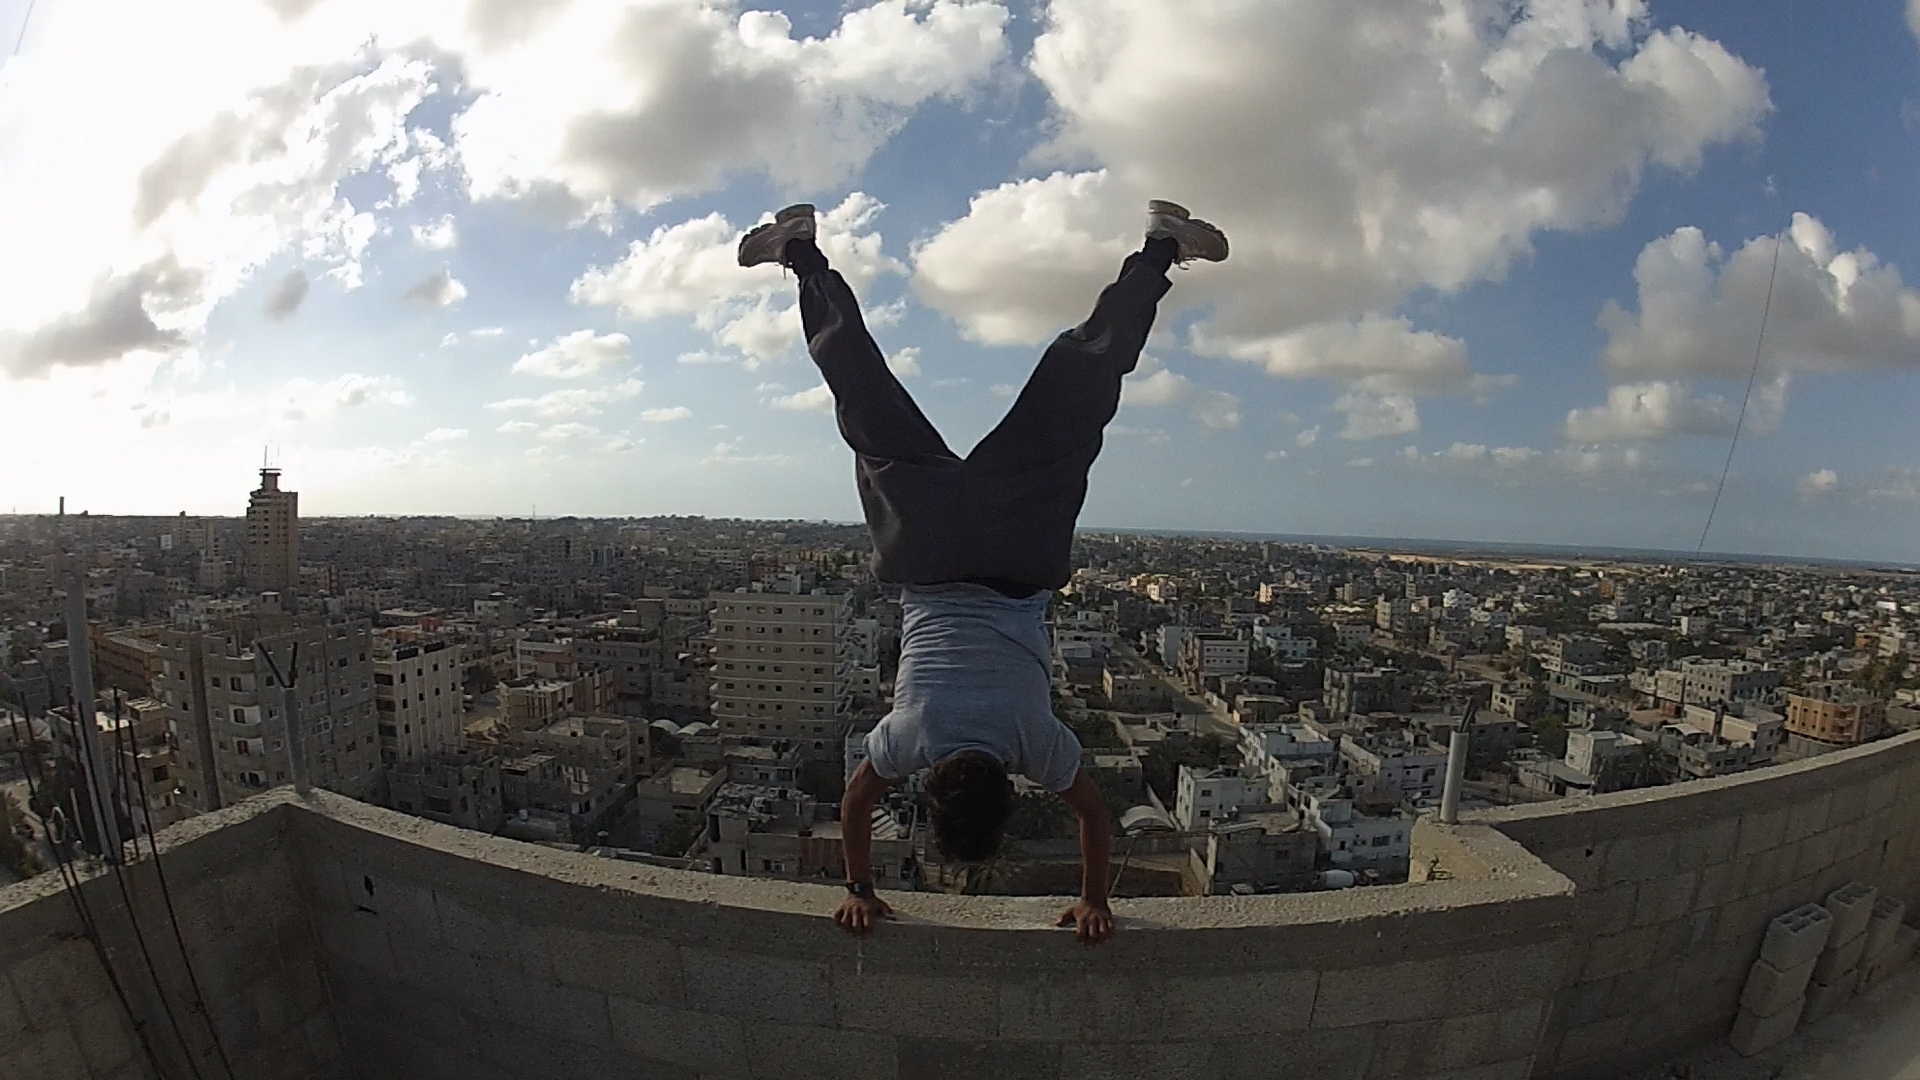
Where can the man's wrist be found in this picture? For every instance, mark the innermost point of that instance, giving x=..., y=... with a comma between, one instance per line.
x=861, y=889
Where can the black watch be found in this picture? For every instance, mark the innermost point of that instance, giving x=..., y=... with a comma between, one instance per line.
x=861, y=889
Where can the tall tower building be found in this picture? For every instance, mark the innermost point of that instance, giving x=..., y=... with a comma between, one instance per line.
x=778, y=666
x=273, y=537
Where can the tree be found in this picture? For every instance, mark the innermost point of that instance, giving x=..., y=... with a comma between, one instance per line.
x=1161, y=765
x=1039, y=816
x=1095, y=730
x=15, y=854
x=678, y=835
x=480, y=679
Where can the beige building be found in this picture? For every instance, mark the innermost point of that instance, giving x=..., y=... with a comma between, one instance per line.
x=1829, y=716
x=273, y=537
x=127, y=659
x=777, y=666
x=226, y=711
x=417, y=693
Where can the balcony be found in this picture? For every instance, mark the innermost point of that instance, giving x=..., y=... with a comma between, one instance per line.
x=337, y=940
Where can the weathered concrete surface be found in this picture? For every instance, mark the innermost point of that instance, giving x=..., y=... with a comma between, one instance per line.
x=243, y=919
x=1675, y=887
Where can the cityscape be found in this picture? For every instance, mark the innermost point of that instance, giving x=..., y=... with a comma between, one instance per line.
x=959, y=540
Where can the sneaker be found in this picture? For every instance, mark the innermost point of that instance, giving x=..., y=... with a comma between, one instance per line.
x=768, y=243
x=1198, y=240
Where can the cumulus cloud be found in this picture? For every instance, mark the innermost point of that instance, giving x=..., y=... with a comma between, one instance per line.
x=114, y=322
x=518, y=427
x=303, y=398
x=570, y=430
x=1699, y=309
x=1153, y=385
x=1371, y=416
x=1355, y=153
x=815, y=399
x=445, y=435
x=665, y=416
x=1652, y=410
x=1819, y=482
x=563, y=404
x=287, y=296
x=575, y=356
x=905, y=363
x=690, y=269
x=592, y=102
x=1308, y=437
x=436, y=235
x=438, y=289
x=728, y=453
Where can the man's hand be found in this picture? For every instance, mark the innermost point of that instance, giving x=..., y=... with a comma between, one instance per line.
x=860, y=915
x=1091, y=920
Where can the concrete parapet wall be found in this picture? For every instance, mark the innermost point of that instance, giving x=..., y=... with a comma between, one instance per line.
x=338, y=940
x=243, y=919
x=457, y=954
x=1676, y=885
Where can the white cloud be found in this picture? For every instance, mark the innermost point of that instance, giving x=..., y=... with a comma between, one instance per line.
x=436, y=235
x=1002, y=389
x=567, y=432
x=593, y=102
x=438, y=289
x=486, y=331
x=691, y=270
x=1153, y=385
x=815, y=399
x=517, y=427
x=1699, y=310
x=562, y=404
x=665, y=416
x=1513, y=456
x=1374, y=417
x=1308, y=437
x=575, y=356
x=445, y=435
x=1354, y=153
x=1652, y=410
x=1913, y=17
x=728, y=453
x=702, y=357
x=1360, y=463
x=905, y=363
x=348, y=391
x=1152, y=436
x=1819, y=482
x=1276, y=455
x=449, y=339
x=1466, y=452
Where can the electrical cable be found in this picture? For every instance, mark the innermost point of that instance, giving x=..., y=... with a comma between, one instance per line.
x=1760, y=340
x=25, y=21
x=126, y=893
x=70, y=881
x=173, y=918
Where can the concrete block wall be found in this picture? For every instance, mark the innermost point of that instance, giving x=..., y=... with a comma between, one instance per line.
x=243, y=919
x=452, y=954
x=1675, y=886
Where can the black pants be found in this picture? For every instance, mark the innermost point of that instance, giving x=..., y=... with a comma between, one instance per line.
x=1004, y=514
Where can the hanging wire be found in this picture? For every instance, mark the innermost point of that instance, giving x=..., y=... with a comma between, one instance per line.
x=1766, y=310
x=173, y=919
x=25, y=21
x=70, y=881
x=117, y=790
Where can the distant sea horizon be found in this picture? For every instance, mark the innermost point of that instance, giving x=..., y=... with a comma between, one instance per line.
x=1409, y=545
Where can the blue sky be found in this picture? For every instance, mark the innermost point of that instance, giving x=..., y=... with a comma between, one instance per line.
x=1496, y=275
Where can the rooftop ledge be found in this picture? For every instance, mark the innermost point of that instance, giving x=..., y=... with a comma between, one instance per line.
x=335, y=939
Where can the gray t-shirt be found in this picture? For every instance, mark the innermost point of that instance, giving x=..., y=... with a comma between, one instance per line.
x=975, y=674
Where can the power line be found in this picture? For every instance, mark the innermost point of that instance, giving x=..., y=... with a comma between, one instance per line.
x=1766, y=310
x=25, y=21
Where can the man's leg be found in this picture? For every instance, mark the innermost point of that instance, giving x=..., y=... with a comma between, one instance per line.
x=905, y=473
x=1075, y=390
x=877, y=416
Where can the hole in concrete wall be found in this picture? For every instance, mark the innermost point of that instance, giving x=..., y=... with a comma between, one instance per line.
x=367, y=883
x=1589, y=855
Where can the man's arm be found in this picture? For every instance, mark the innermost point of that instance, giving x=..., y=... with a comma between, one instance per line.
x=860, y=913
x=1090, y=917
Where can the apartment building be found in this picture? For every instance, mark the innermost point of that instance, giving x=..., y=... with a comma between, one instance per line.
x=417, y=694
x=778, y=666
x=1831, y=716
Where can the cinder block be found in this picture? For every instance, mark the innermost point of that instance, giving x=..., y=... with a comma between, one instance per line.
x=1835, y=959
x=1824, y=999
x=1797, y=936
x=1752, y=1034
x=1888, y=960
x=1769, y=989
x=1887, y=913
x=1851, y=905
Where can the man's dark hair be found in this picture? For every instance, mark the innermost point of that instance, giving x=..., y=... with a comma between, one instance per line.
x=969, y=800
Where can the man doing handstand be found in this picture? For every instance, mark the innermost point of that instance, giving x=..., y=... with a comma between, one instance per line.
x=979, y=544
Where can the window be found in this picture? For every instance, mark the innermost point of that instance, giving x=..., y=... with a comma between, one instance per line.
x=1382, y=840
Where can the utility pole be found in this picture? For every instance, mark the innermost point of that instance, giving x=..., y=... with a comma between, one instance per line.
x=290, y=706
x=1456, y=767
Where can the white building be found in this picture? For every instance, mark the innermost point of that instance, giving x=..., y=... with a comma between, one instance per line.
x=1206, y=797
x=1589, y=752
x=1280, y=641
x=1397, y=764
x=779, y=666
x=1352, y=838
x=417, y=691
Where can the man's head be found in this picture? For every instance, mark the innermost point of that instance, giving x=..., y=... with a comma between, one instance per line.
x=969, y=800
